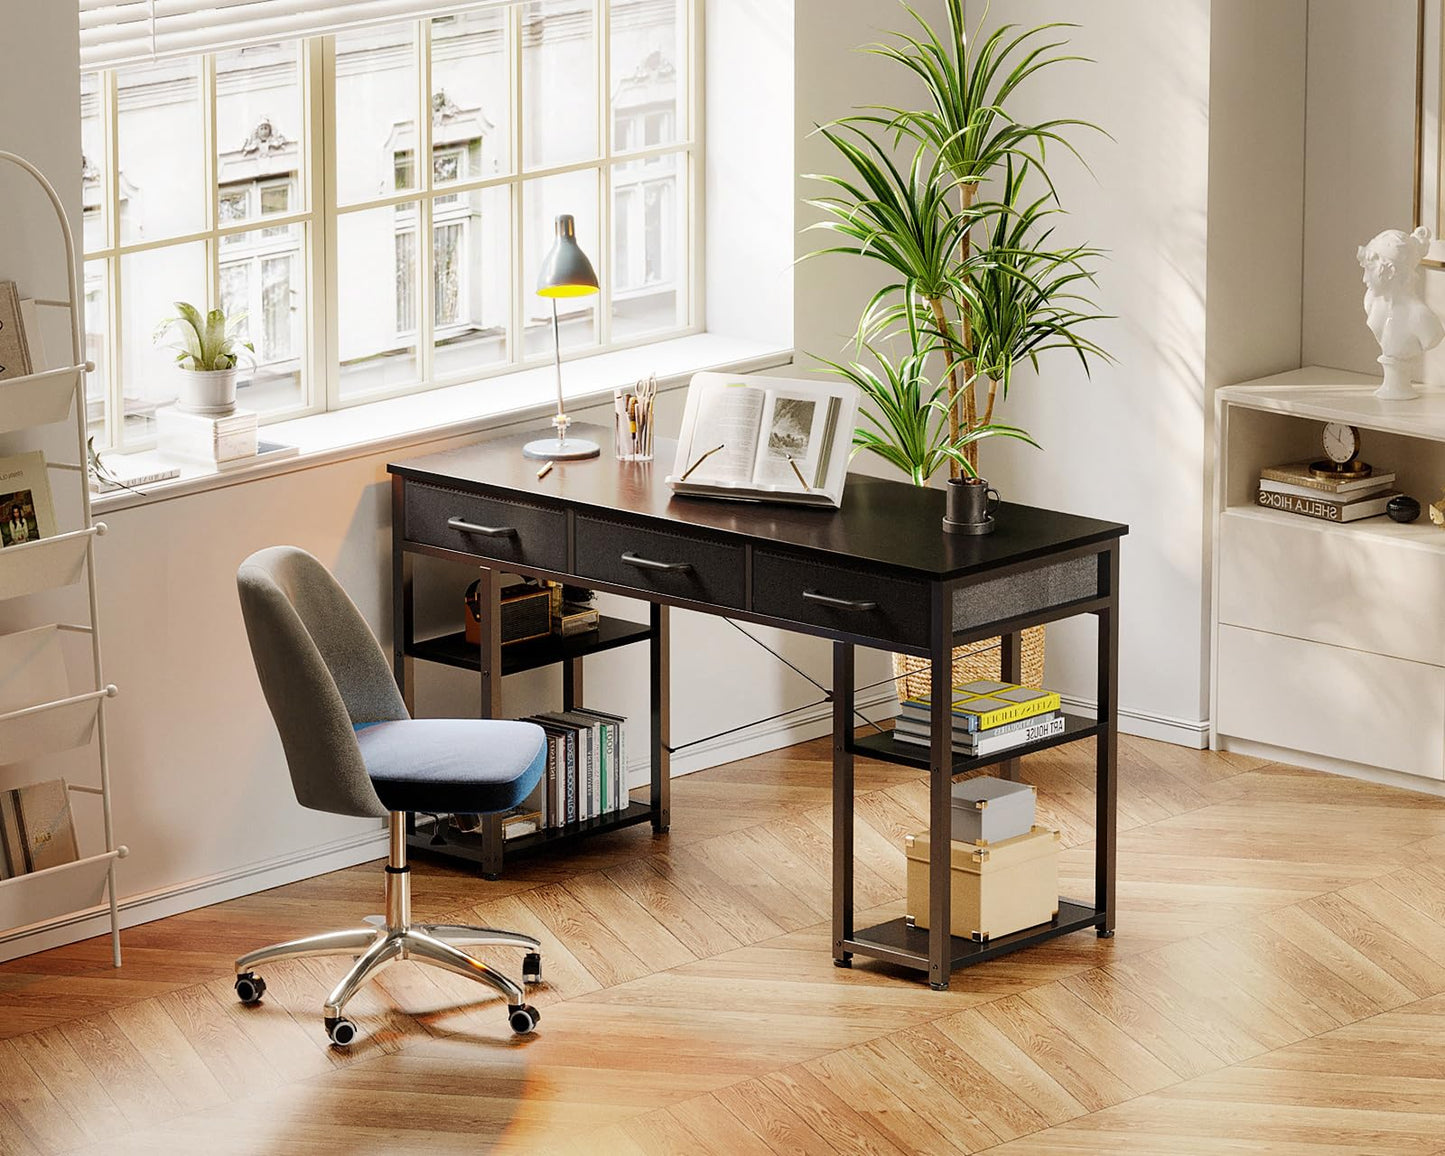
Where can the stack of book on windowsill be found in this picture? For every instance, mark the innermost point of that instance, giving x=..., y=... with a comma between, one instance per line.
x=1295, y=489
x=988, y=717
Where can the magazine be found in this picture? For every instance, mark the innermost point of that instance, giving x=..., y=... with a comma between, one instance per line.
x=765, y=439
x=26, y=514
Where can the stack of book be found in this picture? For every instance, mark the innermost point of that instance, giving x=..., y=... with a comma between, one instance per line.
x=586, y=774
x=988, y=717
x=1295, y=489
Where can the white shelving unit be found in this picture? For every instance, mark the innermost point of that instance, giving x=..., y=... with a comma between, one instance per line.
x=40, y=712
x=1329, y=640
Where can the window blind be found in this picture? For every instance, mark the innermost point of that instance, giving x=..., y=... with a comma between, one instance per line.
x=116, y=32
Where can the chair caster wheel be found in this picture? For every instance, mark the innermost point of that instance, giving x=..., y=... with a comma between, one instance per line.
x=532, y=968
x=524, y=1019
x=250, y=987
x=1106, y=934
x=848, y=962
x=340, y=1031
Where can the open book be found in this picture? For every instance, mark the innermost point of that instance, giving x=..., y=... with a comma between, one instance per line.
x=765, y=439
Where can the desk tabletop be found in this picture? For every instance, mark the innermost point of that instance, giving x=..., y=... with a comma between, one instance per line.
x=888, y=523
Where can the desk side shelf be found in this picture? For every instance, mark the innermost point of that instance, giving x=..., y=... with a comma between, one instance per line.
x=455, y=650
x=885, y=748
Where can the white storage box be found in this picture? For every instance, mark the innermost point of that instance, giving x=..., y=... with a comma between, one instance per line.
x=988, y=810
x=995, y=890
x=209, y=440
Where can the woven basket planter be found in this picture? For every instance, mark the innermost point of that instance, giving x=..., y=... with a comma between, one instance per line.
x=975, y=661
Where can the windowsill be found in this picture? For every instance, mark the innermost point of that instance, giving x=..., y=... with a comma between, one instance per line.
x=455, y=411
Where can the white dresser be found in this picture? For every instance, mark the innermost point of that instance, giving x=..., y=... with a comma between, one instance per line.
x=1328, y=639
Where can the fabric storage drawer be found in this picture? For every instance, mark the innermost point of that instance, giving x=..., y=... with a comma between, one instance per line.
x=989, y=810
x=995, y=890
x=486, y=527
x=796, y=589
x=695, y=568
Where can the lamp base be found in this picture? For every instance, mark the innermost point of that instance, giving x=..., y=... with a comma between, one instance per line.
x=561, y=449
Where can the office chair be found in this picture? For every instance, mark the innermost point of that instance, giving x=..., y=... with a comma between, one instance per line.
x=353, y=749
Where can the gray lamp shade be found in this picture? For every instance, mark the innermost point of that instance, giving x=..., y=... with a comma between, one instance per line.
x=566, y=271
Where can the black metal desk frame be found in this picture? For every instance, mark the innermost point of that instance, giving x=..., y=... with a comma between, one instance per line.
x=884, y=555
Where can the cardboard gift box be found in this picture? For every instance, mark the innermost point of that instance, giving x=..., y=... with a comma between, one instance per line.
x=988, y=810
x=996, y=890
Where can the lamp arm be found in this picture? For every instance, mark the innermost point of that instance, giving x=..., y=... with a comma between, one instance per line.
x=561, y=421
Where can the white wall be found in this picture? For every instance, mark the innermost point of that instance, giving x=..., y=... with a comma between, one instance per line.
x=1361, y=166
x=1128, y=445
x=202, y=794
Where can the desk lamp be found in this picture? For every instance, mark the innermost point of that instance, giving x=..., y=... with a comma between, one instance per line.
x=566, y=272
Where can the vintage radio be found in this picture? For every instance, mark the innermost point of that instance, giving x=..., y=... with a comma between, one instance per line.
x=526, y=614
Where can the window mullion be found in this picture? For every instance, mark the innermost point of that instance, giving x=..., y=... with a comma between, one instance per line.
x=604, y=172
x=213, y=179
x=425, y=241
x=114, y=401
x=692, y=164
x=316, y=385
x=329, y=302
x=516, y=343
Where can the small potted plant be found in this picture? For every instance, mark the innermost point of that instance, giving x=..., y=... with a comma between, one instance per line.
x=207, y=355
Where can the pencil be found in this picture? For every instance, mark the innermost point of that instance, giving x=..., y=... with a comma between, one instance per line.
x=700, y=461
x=798, y=472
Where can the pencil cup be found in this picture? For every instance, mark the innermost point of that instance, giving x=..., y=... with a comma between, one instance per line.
x=633, y=417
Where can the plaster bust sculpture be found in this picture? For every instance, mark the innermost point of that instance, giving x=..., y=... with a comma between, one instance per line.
x=1395, y=307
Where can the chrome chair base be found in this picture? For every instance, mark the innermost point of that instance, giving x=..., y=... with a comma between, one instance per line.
x=381, y=943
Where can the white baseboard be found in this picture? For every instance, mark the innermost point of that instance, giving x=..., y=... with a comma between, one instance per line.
x=1190, y=733
x=1331, y=766
x=248, y=880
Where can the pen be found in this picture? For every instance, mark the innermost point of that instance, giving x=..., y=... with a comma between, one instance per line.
x=700, y=461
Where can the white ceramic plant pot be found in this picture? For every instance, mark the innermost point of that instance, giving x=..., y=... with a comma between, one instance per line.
x=207, y=391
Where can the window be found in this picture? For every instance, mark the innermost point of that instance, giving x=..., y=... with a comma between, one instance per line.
x=280, y=181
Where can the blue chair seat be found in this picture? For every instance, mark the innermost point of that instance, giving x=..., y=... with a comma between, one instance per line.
x=461, y=766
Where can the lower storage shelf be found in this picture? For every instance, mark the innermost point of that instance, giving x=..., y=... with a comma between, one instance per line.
x=43, y=895
x=471, y=845
x=897, y=941
x=884, y=747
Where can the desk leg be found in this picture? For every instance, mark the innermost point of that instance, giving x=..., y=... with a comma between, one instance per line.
x=1107, y=747
x=402, y=619
x=659, y=666
x=1010, y=668
x=572, y=684
x=940, y=802
x=843, y=683
x=489, y=595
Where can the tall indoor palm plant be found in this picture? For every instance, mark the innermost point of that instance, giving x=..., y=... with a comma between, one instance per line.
x=977, y=284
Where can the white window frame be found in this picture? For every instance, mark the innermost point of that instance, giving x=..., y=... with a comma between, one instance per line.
x=319, y=212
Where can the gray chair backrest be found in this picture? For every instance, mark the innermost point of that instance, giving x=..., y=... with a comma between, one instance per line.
x=322, y=673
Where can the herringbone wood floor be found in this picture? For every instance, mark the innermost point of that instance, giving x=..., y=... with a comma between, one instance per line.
x=1277, y=986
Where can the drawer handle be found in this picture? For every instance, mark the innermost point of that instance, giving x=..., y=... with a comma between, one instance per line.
x=839, y=603
x=648, y=564
x=485, y=531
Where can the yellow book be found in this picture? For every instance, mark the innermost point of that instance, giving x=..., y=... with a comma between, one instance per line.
x=984, y=704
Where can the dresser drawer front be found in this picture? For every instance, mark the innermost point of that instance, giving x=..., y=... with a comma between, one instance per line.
x=1328, y=700
x=698, y=569
x=1364, y=586
x=892, y=610
x=486, y=527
